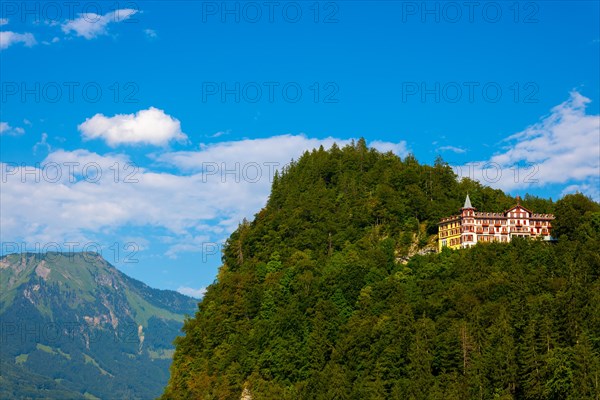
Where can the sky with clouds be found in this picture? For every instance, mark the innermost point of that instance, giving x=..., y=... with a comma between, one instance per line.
x=148, y=130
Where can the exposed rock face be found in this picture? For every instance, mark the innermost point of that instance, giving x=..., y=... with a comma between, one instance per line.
x=416, y=249
x=246, y=394
x=140, y=338
x=42, y=270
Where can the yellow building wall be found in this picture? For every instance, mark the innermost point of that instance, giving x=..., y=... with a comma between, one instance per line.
x=450, y=233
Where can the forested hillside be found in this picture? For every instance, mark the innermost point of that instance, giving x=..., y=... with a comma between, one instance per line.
x=314, y=300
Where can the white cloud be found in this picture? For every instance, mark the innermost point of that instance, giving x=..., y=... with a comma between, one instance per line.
x=453, y=149
x=151, y=126
x=6, y=129
x=220, y=133
x=91, y=25
x=589, y=189
x=8, y=38
x=562, y=148
x=195, y=293
x=193, y=244
x=54, y=40
x=3, y=21
x=151, y=33
x=397, y=148
x=275, y=150
x=136, y=243
x=43, y=143
x=196, y=208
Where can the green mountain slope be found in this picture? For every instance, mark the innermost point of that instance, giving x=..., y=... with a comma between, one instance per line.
x=315, y=299
x=73, y=326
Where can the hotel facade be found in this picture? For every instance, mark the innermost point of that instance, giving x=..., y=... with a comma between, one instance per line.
x=471, y=226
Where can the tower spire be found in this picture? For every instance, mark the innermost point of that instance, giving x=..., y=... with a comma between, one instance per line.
x=467, y=202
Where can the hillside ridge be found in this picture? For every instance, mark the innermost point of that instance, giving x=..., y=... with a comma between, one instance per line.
x=324, y=295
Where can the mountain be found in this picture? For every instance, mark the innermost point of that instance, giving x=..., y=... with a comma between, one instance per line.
x=324, y=294
x=74, y=327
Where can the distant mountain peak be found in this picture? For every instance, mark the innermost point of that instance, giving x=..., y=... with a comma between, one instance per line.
x=77, y=314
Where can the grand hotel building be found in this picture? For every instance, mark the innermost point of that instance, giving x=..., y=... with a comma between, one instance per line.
x=471, y=226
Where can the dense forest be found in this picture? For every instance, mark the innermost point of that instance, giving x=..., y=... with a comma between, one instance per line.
x=324, y=295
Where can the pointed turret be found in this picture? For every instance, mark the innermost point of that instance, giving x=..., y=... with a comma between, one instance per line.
x=467, y=203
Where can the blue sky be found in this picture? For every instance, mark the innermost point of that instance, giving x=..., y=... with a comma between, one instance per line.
x=148, y=130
